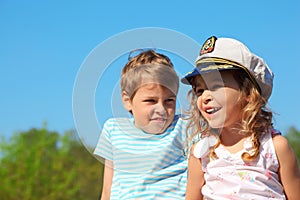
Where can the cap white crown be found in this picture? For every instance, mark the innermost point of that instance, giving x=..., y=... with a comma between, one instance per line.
x=233, y=50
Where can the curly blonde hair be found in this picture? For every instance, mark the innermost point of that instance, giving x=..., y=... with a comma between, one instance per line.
x=256, y=117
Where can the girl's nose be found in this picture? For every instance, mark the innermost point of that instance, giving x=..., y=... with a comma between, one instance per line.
x=206, y=96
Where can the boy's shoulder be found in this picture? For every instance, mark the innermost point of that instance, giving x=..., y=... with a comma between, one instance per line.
x=118, y=122
x=180, y=119
x=178, y=125
x=117, y=119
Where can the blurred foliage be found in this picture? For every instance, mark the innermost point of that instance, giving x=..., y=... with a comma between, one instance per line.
x=293, y=136
x=42, y=164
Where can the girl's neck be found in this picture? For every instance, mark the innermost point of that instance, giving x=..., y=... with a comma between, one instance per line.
x=232, y=140
x=230, y=136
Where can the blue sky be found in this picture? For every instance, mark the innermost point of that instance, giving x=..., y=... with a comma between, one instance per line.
x=43, y=45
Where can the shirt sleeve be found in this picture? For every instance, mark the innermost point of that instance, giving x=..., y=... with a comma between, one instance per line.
x=104, y=146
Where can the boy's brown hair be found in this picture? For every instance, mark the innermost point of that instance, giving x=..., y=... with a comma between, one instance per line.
x=148, y=67
x=147, y=57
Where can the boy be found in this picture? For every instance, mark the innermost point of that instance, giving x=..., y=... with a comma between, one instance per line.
x=144, y=155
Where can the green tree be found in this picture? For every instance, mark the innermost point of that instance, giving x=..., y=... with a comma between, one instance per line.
x=293, y=136
x=42, y=164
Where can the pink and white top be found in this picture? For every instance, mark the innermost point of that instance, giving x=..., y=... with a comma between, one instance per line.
x=229, y=177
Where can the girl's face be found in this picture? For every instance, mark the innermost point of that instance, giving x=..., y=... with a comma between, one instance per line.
x=153, y=108
x=219, y=99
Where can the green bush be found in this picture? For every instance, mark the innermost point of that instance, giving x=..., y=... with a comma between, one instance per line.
x=42, y=164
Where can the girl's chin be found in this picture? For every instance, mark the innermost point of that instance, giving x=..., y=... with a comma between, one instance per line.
x=216, y=124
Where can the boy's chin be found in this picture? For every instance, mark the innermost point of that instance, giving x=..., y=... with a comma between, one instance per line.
x=155, y=128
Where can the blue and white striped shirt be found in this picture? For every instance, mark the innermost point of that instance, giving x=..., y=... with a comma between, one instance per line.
x=146, y=166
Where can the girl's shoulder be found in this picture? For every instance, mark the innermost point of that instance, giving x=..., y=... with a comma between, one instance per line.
x=283, y=150
x=281, y=144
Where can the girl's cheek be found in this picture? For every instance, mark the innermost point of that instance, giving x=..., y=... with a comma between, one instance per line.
x=199, y=103
x=219, y=94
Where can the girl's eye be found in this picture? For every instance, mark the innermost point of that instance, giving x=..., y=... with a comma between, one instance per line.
x=199, y=92
x=215, y=87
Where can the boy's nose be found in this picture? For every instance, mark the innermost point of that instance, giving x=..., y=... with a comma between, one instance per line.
x=159, y=108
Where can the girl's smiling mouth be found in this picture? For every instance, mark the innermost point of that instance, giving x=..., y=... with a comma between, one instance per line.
x=212, y=110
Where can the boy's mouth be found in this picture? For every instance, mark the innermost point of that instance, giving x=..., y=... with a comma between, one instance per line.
x=158, y=119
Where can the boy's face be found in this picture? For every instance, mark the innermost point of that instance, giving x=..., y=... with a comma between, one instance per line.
x=153, y=108
x=219, y=99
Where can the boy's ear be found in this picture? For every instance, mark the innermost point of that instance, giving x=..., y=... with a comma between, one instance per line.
x=126, y=101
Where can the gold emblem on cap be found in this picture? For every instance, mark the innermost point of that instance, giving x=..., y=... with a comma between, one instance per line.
x=216, y=67
x=208, y=45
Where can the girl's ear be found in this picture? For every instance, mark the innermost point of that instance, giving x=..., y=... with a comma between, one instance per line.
x=247, y=98
x=126, y=101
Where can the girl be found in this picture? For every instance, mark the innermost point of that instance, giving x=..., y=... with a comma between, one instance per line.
x=238, y=156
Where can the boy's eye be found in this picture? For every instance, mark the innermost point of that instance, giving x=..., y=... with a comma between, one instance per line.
x=170, y=99
x=149, y=100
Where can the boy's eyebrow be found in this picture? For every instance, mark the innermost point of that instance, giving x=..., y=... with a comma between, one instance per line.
x=173, y=96
x=153, y=96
